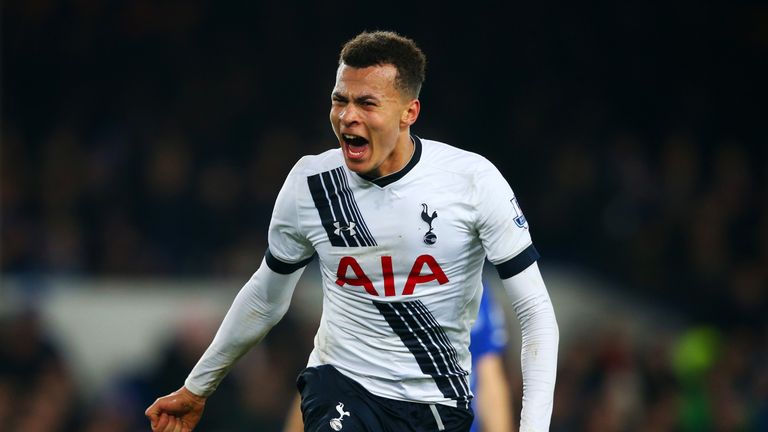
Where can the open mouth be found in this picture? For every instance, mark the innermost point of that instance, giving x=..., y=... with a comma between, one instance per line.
x=354, y=145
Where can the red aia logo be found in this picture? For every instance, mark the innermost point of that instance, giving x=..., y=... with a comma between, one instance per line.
x=414, y=277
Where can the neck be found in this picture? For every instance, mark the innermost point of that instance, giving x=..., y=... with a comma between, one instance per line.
x=401, y=156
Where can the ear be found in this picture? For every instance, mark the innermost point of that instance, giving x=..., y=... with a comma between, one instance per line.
x=410, y=113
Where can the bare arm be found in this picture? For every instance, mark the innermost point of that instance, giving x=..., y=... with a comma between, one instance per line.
x=293, y=421
x=493, y=398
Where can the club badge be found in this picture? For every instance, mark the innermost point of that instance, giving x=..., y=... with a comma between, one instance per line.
x=429, y=238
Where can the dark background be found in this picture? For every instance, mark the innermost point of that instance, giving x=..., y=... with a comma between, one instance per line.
x=151, y=137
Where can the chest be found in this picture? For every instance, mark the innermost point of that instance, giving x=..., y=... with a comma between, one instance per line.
x=396, y=236
x=415, y=219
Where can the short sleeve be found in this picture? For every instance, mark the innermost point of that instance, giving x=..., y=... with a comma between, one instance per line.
x=501, y=224
x=289, y=248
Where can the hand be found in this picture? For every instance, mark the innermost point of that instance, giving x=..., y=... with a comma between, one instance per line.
x=179, y=411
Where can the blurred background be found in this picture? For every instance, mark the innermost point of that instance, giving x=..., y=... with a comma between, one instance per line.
x=144, y=143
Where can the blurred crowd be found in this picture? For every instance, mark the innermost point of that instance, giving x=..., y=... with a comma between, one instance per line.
x=38, y=391
x=700, y=379
x=151, y=138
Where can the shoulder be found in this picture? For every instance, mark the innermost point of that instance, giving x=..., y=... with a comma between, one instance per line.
x=451, y=158
x=471, y=168
x=314, y=164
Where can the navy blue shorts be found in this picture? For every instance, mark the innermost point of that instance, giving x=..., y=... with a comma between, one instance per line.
x=331, y=402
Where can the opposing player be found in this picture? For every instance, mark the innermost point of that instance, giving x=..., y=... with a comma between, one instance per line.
x=401, y=226
x=489, y=382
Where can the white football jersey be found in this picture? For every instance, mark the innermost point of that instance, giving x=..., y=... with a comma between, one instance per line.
x=401, y=259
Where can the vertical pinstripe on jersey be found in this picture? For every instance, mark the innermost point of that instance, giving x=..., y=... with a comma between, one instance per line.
x=338, y=210
x=347, y=191
x=423, y=336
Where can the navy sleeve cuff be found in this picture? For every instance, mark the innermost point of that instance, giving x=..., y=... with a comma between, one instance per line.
x=519, y=263
x=281, y=267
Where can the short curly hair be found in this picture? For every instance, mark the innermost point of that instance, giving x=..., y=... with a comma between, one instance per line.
x=387, y=47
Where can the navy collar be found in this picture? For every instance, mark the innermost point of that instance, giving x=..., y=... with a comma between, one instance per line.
x=391, y=178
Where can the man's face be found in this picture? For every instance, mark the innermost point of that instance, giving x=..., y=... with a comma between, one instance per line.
x=371, y=119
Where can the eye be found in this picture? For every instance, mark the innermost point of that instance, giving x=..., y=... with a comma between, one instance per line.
x=367, y=103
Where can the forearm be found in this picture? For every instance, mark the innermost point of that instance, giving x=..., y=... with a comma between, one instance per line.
x=294, y=421
x=494, y=402
x=538, y=355
x=259, y=305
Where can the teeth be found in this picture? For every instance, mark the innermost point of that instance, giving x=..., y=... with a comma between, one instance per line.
x=350, y=136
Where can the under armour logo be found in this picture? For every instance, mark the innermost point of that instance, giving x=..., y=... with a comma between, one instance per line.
x=336, y=423
x=349, y=228
x=429, y=238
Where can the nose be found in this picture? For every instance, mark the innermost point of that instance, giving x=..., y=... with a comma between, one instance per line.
x=348, y=115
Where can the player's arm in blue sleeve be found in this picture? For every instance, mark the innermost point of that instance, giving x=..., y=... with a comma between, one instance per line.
x=489, y=333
